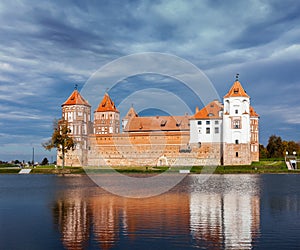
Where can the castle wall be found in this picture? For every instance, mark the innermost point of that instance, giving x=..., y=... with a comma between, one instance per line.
x=237, y=154
x=150, y=149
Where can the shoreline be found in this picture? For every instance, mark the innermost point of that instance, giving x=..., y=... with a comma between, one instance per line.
x=76, y=171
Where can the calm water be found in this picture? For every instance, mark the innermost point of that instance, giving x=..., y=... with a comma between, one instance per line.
x=227, y=212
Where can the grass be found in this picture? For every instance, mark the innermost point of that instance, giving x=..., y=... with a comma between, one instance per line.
x=263, y=166
x=9, y=171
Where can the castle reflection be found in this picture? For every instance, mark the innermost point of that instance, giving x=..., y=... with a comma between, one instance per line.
x=224, y=212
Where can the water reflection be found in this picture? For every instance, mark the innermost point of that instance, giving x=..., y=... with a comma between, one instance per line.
x=222, y=213
x=226, y=211
x=73, y=219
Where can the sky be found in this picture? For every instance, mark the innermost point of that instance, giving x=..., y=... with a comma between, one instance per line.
x=46, y=47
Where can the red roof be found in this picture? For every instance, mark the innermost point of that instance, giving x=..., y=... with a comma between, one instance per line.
x=210, y=111
x=253, y=113
x=236, y=91
x=106, y=105
x=130, y=114
x=76, y=99
x=158, y=123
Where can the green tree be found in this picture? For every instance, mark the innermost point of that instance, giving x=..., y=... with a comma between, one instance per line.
x=45, y=161
x=275, y=147
x=60, y=139
x=263, y=152
x=291, y=146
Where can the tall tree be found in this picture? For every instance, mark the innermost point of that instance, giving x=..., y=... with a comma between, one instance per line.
x=60, y=139
x=275, y=147
x=263, y=152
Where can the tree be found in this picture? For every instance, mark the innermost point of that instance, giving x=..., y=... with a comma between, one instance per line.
x=60, y=139
x=291, y=146
x=45, y=161
x=263, y=152
x=275, y=147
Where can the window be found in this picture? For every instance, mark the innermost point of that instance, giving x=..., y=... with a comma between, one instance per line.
x=236, y=124
x=207, y=130
x=199, y=131
x=216, y=130
x=236, y=141
x=236, y=154
x=207, y=122
x=199, y=122
x=216, y=122
x=236, y=111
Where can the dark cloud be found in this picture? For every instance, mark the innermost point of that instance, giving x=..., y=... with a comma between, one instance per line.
x=47, y=47
x=263, y=30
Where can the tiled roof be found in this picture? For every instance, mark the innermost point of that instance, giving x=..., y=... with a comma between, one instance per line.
x=210, y=111
x=236, y=91
x=106, y=105
x=130, y=114
x=76, y=99
x=253, y=113
x=158, y=123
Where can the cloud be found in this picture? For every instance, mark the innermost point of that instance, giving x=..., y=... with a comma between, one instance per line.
x=47, y=47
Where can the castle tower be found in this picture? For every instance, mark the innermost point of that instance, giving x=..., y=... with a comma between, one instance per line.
x=130, y=114
x=236, y=126
x=106, y=117
x=77, y=112
x=254, y=117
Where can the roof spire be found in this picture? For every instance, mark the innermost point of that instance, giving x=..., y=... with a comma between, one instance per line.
x=237, y=77
x=75, y=87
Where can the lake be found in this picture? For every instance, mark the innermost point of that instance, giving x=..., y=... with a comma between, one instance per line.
x=225, y=212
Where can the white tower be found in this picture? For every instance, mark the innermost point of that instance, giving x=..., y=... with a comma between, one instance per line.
x=236, y=126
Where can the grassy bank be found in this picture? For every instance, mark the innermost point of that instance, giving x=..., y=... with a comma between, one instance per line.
x=264, y=166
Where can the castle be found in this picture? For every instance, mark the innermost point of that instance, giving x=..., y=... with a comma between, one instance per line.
x=218, y=134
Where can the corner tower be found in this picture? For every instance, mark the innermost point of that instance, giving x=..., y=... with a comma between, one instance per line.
x=236, y=126
x=77, y=112
x=106, y=117
x=130, y=114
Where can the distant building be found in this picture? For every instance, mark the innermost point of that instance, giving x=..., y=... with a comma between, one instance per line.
x=218, y=134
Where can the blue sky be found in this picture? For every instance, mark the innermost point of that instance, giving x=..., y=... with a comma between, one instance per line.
x=48, y=46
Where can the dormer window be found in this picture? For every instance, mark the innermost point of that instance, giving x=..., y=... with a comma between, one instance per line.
x=163, y=123
x=236, y=91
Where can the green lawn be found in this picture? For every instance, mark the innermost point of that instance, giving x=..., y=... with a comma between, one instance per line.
x=263, y=166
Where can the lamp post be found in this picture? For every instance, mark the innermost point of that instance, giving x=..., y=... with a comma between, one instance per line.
x=286, y=155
